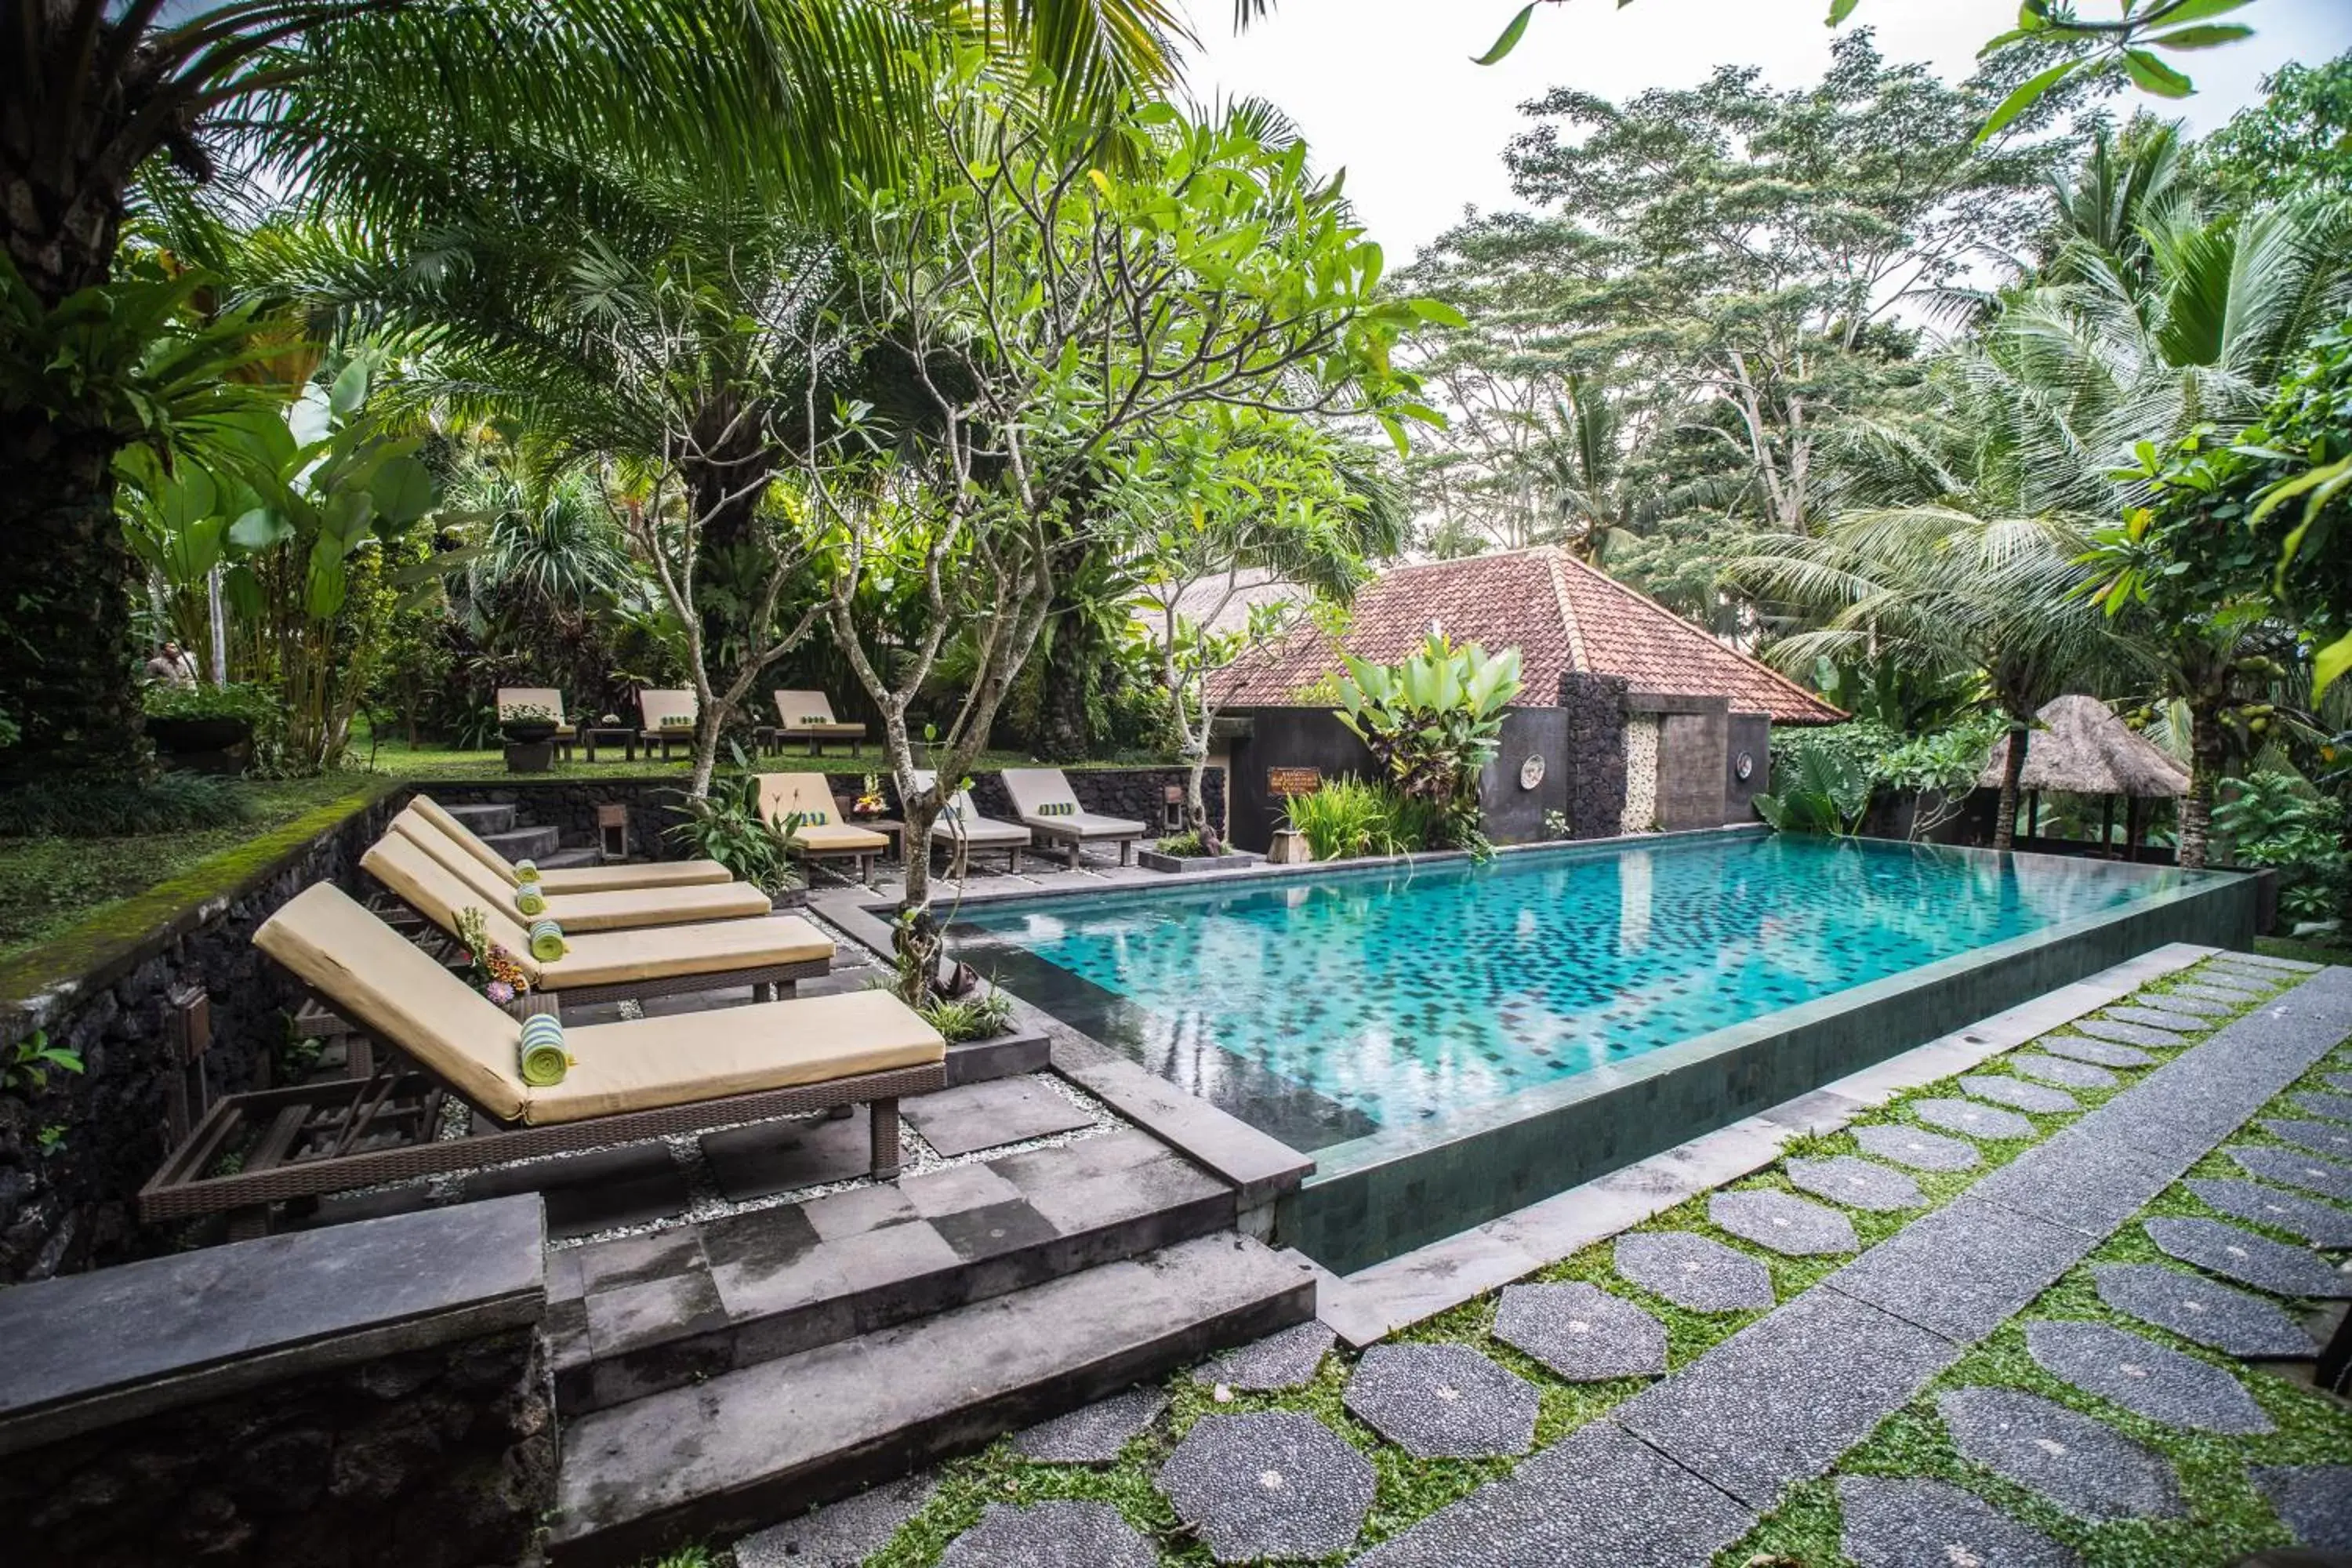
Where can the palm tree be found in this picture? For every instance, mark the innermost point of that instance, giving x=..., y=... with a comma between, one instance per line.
x=347, y=100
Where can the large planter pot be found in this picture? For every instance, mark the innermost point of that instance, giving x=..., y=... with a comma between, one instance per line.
x=220, y=745
x=528, y=732
x=1290, y=849
x=529, y=757
x=1153, y=860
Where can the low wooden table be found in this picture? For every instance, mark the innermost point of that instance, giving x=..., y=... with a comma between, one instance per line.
x=623, y=735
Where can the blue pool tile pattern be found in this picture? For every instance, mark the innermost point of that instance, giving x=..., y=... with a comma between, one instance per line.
x=1325, y=1008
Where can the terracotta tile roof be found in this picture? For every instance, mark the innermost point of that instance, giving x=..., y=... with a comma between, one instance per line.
x=1561, y=615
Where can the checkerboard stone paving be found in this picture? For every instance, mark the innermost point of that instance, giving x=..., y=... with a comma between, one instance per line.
x=1920, y=1150
x=2319, y=1137
x=1857, y=1183
x=1582, y=1332
x=1693, y=1272
x=2214, y=991
x=2145, y=1377
x=2019, y=1094
x=2249, y=1259
x=2128, y=1035
x=1785, y=1224
x=1093, y=1434
x=2334, y=1107
x=1442, y=1402
x=1974, y=1120
x=2338, y=1080
x=2083, y=1465
x=2197, y=1007
x=2099, y=1053
x=1051, y=1535
x=2203, y=1311
x=2061, y=1070
x=2290, y=1168
x=1914, y=1524
x=2314, y=1502
x=1269, y=1484
x=2322, y=1225
x=2156, y=1017
x=1286, y=1360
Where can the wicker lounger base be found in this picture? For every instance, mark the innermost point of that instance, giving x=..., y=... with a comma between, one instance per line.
x=959, y=854
x=1070, y=844
x=307, y=1133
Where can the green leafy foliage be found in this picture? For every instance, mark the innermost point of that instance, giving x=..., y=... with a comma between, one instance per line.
x=2278, y=822
x=726, y=826
x=1432, y=723
x=110, y=809
x=25, y=1070
x=1820, y=791
x=1346, y=818
x=237, y=700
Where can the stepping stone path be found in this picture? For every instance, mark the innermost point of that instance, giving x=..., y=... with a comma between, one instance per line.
x=2322, y=1225
x=1096, y=1434
x=1272, y=1483
x=2002, y=1090
x=2128, y=1034
x=1582, y=1332
x=1442, y=1402
x=2200, y=1309
x=2337, y=1106
x=2058, y=1070
x=2202, y=1006
x=1051, y=1535
x=2236, y=995
x=2319, y=1137
x=1857, y=1183
x=2098, y=1052
x=841, y=1534
x=1920, y=1150
x=2087, y=1468
x=1976, y=1120
x=1785, y=1224
x=1905, y=1524
x=2249, y=1259
x=2304, y=1171
x=2146, y=1378
x=2313, y=1502
x=1693, y=1271
x=2339, y=1080
x=2159, y=1018
x=1288, y=1360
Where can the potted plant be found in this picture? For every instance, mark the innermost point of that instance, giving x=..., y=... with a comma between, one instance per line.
x=528, y=724
x=206, y=728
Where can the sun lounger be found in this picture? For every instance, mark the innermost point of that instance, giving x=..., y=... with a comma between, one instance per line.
x=615, y=909
x=961, y=829
x=574, y=878
x=808, y=716
x=511, y=697
x=819, y=834
x=611, y=965
x=670, y=718
x=628, y=1081
x=1043, y=802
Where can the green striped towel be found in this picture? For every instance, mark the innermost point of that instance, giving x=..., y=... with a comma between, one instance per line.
x=544, y=1059
x=526, y=870
x=529, y=900
x=546, y=940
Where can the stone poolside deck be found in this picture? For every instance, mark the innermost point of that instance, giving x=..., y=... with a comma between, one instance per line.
x=2058, y=1307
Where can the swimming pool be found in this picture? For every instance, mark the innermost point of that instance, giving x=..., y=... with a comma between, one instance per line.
x=1323, y=1010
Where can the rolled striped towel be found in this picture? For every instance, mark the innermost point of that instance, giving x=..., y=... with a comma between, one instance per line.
x=529, y=900
x=546, y=940
x=544, y=1059
x=526, y=870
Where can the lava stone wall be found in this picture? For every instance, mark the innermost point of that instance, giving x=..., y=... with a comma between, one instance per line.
x=71, y=1207
x=1509, y=812
x=1140, y=794
x=439, y=1457
x=569, y=806
x=1592, y=759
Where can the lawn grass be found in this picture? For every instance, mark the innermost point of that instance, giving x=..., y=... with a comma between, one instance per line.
x=396, y=757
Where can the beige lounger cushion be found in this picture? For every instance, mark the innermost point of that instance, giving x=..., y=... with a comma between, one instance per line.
x=810, y=713
x=386, y=984
x=619, y=909
x=781, y=794
x=961, y=820
x=573, y=878
x=654, y=706
x=1032, y=788
x=596, y=958
x=646, y=1063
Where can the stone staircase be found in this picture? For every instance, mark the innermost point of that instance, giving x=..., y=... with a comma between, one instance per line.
x=501, y=828
x=718, y=1378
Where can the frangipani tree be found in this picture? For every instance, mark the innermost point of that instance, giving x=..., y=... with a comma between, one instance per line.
x=1037, y=302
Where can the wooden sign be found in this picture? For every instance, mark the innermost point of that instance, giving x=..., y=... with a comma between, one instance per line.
x=1293, y=781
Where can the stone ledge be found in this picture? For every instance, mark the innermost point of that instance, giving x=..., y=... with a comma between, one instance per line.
x=91, y=1351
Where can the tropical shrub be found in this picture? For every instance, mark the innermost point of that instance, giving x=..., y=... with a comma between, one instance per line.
x=237, y=700
x=1349, y=817
x=1820, y=791
x=2275, y=821
x=120, y=808
x=1941, y=769
x=726, y=826
x=1432, y=723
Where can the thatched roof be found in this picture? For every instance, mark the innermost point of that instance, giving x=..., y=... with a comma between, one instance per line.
x=2082, y=748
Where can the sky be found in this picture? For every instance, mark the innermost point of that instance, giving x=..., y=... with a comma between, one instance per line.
x=1385, y=88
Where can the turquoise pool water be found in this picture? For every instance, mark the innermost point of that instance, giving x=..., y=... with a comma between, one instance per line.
x=1326, y=1009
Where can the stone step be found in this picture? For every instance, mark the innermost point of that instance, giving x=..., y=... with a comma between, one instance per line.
x=484, y=819
x=657, y=1312
x=562, y=859
x=751, y=1447
x=525, y=843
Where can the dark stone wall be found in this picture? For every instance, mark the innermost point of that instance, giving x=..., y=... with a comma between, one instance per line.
x=1750, y=735
x=71, y=1208
x=1693, y=764
x=441, y=1457
x=569, y=806
x=1592, y=753
x=1509, y=812
x=1287, y=738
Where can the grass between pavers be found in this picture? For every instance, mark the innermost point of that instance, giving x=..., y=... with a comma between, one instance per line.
x=2224, y=1518
x=1410, y=1490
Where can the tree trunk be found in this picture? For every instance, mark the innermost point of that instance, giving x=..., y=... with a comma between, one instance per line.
x=2206, y=760
x=1196, y=801
x=918, y=940
x=1061, y=728
x=68, y=676
x=2004, y=820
